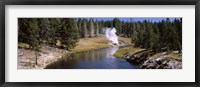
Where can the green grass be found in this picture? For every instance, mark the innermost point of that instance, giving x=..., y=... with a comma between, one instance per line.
x=124, y=51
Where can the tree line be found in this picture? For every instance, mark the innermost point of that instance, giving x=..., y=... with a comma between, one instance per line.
x=145, y=34
x=69, y=30
x=156, y=36
x=49, y=30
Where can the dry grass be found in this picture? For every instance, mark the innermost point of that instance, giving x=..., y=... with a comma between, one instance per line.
x=126, y=41
x=124, y=51
x=86, y=44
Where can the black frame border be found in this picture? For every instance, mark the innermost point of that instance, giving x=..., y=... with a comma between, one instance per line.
x=98, y=2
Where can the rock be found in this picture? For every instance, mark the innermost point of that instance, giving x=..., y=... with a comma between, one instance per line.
x=20, y=53
x=161, y=63
x=127, y=57
x=143, y=59
x=173, y=64
x=160, y=66
x=150, y=64
x=175, y=52
x=164, y=62
x=136, y=61
x=164, y=53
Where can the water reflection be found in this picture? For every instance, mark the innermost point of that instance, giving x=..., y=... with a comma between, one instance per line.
x=96, y=59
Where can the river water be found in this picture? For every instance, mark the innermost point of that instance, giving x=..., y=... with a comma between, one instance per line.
x=95, y=59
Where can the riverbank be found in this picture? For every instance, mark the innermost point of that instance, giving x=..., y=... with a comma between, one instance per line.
x=48, y=55
x=147, y=59
x=26, y=57
x=87, y=44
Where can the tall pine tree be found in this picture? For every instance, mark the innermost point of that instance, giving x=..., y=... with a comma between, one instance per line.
x=97, y=28
x=54, y=29
x=69, y=33
x=45, y=27
x=34, y=38
x=85, y=32
x=91, y=27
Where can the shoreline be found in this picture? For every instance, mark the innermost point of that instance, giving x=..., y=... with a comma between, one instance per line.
x=146, y=59
x=44, y=60
x=48, y=55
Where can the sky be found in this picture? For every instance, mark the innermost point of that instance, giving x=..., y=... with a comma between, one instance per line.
x=153, y=19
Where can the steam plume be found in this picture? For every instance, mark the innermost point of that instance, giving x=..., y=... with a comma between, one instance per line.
x=111, y=35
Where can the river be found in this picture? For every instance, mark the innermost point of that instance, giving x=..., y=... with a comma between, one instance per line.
x=95, y=59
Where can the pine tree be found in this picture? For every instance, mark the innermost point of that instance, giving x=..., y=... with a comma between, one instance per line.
x=122, y=29
x=139, y=41
x=100, y=23
x=162, y=35
x=131, y=27
x=156, y=38
x=134, y=33
x=116, y=24
x=97, y=28
x=69, y=33
x=173, y=43
x=23, y=33
x=45, y=27
x=34, y=37
x=85, y=32
x=178, y=26
x=75, y=35
x=54, y=30
x=91, y=27
x=79, y=24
